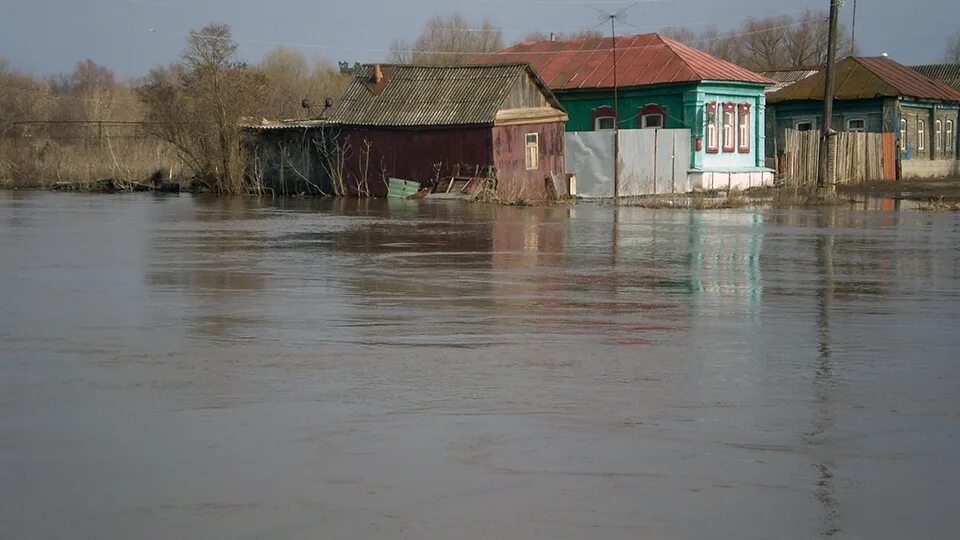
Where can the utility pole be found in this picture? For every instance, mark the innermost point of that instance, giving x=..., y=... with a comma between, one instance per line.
x=613, y=17
x=824, y=166
x=616, y=116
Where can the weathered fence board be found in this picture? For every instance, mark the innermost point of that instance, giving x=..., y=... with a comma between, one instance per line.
x=860, y=157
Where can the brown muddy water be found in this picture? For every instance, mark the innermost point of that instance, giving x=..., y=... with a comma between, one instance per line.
x=181, y=367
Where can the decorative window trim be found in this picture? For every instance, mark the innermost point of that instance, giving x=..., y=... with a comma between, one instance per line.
x=728, y=127
x=904, y=136
x=711, y=120
x=532, y=151
x=743, y=128
x=921, y=142
x=651, y=110
x=861, y=119
x=938, y=135
x=798, y=123
x=951, y=143
x=601, y=112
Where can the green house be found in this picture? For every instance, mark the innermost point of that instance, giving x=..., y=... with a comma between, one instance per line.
x=660, y=84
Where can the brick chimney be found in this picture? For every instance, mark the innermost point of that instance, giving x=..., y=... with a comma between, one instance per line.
x=377, y=74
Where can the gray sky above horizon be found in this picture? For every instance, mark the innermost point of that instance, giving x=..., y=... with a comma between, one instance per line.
x=132, y=36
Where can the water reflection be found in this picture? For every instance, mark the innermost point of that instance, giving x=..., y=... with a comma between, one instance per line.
x=395, y=368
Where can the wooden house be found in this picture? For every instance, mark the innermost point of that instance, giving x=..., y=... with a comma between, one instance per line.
x=424, y=123
x=660, y=83
x=878, y=95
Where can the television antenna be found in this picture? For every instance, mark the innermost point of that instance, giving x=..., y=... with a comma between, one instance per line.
x=613, y=18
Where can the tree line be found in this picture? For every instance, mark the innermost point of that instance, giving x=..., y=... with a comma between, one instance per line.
x=190, y=110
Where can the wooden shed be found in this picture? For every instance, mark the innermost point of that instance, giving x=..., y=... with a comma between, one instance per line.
x=424, y=123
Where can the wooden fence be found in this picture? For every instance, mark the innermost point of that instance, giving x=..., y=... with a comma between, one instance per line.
x=860, y=157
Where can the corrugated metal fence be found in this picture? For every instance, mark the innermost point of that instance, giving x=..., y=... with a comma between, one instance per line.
x=652, y=161
x=860, y=157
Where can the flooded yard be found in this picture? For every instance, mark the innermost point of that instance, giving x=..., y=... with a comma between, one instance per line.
x=190, y=367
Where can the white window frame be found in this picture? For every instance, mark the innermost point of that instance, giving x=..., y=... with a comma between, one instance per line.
x=712, y=127
x=532, y=151
x=951, y=144
x=645, y=125
x=860, y=119
x=938, y=135
x=743, y=129
x=596, y=123
x=798, y=123
x=921, y=128
x=903, y=136
x=728, y=123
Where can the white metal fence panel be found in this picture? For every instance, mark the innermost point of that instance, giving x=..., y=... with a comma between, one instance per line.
x=589, y=155
x=651, y=161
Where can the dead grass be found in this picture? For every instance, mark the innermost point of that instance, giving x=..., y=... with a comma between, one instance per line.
x=938, y=205
x=42, y=163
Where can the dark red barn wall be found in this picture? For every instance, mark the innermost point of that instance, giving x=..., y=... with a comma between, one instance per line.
x=513, y=179
x=378, y=153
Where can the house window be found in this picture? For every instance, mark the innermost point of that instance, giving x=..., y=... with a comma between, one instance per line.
x=743, y=127
x=938, y=135
x=920, y=135
x=652, y=116
x=601, y=123
x=950, y=143
x=805, y=125
x=903, y=135
x=858, y=125
x=604, y=118
x=729, y=136
x=533, y=151
x=651, y=121
x=713, y=145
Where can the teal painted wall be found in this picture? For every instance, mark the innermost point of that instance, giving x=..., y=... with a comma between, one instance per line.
x=684, y=104
x=581, y=104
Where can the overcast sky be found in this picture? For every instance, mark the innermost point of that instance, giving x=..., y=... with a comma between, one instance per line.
x=131, y=36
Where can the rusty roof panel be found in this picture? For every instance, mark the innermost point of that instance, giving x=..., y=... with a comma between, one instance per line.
x=866, y=78
x=948, y=74
x=641, y=60
x=431, y=95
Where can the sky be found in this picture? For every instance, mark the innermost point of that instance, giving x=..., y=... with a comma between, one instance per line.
x=132, y=36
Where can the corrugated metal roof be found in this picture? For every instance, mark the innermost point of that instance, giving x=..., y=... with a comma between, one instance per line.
x=641, y=60
x=431, y=95
x=859, y=77
x=948, y=74
x=786, y=77
x=264, y=124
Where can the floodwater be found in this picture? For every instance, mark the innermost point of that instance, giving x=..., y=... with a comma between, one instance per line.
x=187, y=367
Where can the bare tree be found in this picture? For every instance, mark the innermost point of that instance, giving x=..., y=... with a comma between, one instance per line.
x=770, y=42
x=952, y=53
x=196, y=105
x=449, y=41
x=400, y=51
x=291, y=79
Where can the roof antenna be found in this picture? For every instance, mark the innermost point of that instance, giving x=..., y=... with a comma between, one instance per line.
x=613, y=18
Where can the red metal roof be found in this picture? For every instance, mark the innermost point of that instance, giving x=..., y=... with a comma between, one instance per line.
x=860, y=77
x=641, y=60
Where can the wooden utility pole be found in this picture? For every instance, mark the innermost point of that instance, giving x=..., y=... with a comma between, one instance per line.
x=616, y=116
x=824, y=168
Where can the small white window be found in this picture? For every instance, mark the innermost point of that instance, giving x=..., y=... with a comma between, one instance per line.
x=603, y=123
x=713, y=145
x=950, y=142
x=729, y=142
x=654, y=120
x=921, y=139
x=743, y=128
x=903, y=135
x=938, y=135
x=805, y=125
x=533, y=151
x=858, y=125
